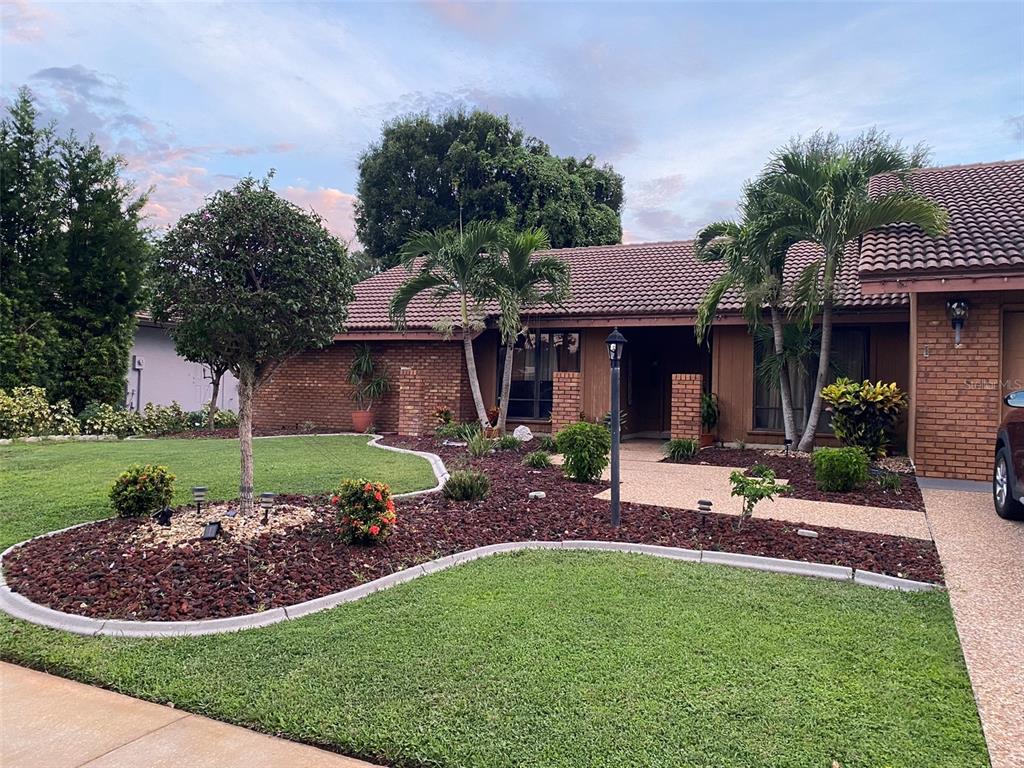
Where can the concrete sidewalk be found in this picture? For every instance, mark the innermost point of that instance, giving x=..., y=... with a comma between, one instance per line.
x=53, y=722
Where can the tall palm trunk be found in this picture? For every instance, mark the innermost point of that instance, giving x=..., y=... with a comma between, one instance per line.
x=506, y=385
x=785, y=387
x=824, y=356
x=474, y=381
x=246, y=389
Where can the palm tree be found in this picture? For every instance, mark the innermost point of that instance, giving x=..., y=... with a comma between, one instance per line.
x=451, y=263
x=520, y=280
x=754, y=254
x=821, y=185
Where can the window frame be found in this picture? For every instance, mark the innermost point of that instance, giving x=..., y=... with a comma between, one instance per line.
x=536, y=332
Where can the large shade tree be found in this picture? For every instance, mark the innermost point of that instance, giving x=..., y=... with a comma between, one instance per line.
x=427, y=174
x=820, y=188
x=250, y=279
x=520, y=279
x=73, y=254
x=452, y=267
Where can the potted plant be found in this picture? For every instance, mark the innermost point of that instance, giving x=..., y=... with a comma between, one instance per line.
x=370, y=383
x=708, y=418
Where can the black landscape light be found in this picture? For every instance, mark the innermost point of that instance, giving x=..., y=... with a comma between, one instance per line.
x=267, y=502
x=616, y=343
x=211, y=531
x=957, y=311
x=199, y=496
x=163, y=517
x=789, y=444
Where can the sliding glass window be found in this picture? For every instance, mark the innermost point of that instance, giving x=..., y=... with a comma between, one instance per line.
x=535, y=357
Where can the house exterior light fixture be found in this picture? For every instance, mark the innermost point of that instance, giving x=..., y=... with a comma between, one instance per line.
x=957, y=311
x=616, y=343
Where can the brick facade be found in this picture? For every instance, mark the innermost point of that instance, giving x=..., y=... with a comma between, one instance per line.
x=312, y=389
x=686, y=392
x=567, y=399
x=956, y=391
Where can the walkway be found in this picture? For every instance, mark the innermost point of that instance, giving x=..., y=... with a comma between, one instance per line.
x=648, y=480
x=983, y=558
x=53, y=722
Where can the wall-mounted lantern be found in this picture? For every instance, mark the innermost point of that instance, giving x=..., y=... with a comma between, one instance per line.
x=957, y=311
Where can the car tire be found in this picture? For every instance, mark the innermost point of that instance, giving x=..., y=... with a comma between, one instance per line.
x=1007, y=507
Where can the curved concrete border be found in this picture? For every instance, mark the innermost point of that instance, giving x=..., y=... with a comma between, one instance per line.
x=21, y=607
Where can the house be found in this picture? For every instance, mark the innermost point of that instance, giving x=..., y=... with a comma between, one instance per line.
x=158, y=374
x=891, y=323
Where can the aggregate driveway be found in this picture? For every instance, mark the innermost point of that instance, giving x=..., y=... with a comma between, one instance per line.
x=983, y=559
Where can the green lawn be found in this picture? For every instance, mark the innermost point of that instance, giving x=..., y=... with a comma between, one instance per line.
x=48, y=486
x=531, y=659
x=576, y=659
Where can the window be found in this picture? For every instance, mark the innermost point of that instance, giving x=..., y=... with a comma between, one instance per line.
x=535, y=357
x=849, y=358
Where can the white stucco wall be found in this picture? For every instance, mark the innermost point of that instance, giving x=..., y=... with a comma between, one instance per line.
x=165, y=376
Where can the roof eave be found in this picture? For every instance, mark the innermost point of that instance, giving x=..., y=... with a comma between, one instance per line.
x=940, y=282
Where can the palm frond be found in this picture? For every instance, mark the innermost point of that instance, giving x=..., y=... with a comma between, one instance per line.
x=420, y=282
x=709, y=305
x=901, y=207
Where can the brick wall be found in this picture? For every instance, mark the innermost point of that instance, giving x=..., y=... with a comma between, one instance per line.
x=956, y=390
x=567, y=399
x=686, y=391
x=313, y=388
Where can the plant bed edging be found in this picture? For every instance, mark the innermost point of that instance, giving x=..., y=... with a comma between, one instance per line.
x=22, y=608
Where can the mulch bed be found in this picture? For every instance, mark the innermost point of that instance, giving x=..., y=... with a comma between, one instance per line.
x=90, y=571
x=799, y=471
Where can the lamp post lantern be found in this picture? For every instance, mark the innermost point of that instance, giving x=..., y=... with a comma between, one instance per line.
x=615, y=341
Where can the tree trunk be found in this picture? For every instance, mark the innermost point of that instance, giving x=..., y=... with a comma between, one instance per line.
x=825, y=355
x=506, y=386
x=785, y=388
x=215, y=378
x=474, y=382
x=246, y=389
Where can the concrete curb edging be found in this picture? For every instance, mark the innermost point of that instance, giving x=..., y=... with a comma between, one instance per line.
x=22, y=608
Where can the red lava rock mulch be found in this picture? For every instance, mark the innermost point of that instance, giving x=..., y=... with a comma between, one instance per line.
x=799, y=471
x=92, y=572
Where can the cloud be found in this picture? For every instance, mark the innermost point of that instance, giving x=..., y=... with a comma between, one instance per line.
x=1016, y=128
x=337, y=208
x=473, y=19
x=23, y=21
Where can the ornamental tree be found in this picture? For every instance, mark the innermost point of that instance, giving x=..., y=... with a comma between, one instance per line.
x=250, y=279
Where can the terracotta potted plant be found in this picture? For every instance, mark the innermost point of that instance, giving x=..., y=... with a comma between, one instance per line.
x=708, y=418
x=492, y=417
x=370, y=383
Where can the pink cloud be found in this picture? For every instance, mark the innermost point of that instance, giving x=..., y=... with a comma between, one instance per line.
x=336, y=207
x=472, y=18
x=23, y=21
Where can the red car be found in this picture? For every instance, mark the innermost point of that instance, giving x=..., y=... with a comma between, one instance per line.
x=1008, y=475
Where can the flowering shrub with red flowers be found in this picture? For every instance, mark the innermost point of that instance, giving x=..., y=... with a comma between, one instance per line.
x=366, y=513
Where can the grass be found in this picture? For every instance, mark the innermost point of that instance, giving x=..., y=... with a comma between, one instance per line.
x=576, y=659
x=46, y=486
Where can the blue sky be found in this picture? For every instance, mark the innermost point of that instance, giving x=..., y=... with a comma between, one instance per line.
x=686, y=100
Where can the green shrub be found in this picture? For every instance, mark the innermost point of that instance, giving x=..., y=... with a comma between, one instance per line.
x=105, y=419
x=26, y=412
x=142, y=490
x=840, y=469
x=864, y=414
x=586, y=448
x=224, y=418
x=479, y=445
x=709, y=411
x=757, y=485
x=890, y=481
x=466, y=485
x=547, y=443
x=680, y=449
x=507, y=443
x=365, y=511
x=164, y=419
x=537, y=459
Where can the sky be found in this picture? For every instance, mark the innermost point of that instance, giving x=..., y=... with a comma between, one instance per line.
x=686, y=100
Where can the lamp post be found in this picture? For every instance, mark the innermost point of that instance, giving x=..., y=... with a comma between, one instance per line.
x=615, y=341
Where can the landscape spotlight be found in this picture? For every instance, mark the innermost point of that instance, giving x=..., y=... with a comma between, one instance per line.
x=199, y=496
x=267, y=502
x=163, y=516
